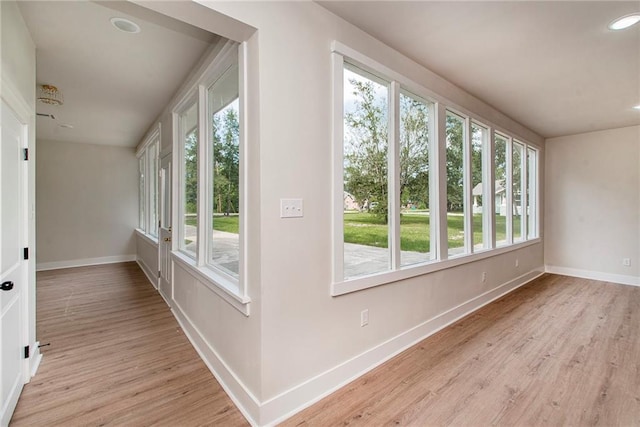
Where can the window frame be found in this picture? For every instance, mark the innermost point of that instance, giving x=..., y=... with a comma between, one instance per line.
x=231, y=289
x=341, y=55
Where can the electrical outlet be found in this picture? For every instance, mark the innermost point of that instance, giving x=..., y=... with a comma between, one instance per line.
x=626, y=262
x=484, y=276
x=364, y=317
x=291, y=208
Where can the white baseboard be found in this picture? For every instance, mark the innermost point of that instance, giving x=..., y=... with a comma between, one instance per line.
x=288, y=403
x=84, y=262
x=594, y=275
x=244, y=400
x=153, y=278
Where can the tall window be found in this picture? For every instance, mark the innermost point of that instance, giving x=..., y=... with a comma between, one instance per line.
x=532, y=193
x=501, y=208
x=415, y=221
x=148, y=193
x=224, y=173
x=479, y=148
x=455, y=136
x=366, y=146
x=517, y=159
x=142, y=194
x=189, y=199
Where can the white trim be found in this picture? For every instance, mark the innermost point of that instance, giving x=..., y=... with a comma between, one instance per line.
x=414, y=270
x=622, y=279
x=147, y=272
x=239, y=393
x=84, y=262
x=284, y=405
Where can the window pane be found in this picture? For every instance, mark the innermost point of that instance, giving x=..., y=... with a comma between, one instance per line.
x=516, y=210
x=479, y=142
x=224, y=247
x=500, y=190
x=152, y=153
x=141, y=194
x=455, y=183
x=532, y=214
x=415, y=239
x=189, y=131
x=366, y=207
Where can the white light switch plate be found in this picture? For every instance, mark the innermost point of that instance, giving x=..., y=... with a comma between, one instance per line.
x=291, y=208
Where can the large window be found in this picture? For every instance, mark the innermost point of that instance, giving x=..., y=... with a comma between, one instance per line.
x=456, y=203
x=416, y=115
x=148, y=184
x=189, y=191
x=418, y=181
x=209, y=143
x=224, y=173
x=366, y=147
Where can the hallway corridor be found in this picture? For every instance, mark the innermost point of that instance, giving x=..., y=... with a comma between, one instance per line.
x=117, y=356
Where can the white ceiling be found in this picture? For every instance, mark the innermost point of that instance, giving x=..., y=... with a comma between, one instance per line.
x=114, y=84
x=552, y=66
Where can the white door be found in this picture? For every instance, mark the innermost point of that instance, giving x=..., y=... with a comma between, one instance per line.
x=165, y=229
x=12, y=267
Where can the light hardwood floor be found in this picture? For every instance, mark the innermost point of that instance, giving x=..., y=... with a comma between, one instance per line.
x=559, y=351
x=117, y=357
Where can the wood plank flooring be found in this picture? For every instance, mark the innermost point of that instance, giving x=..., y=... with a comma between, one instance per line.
x=117, y=357
x=559, y=351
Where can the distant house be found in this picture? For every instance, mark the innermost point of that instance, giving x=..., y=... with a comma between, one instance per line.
x=350, y=203
x=500, y=199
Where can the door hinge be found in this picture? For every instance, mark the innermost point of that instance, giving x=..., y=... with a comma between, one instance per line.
x=26, y=154
x=25, y=253
x=26, y=351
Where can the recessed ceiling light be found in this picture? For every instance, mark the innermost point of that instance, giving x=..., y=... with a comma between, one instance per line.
x=625, y=21
x=125, y=25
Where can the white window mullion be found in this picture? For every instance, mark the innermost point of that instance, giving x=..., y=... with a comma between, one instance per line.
x=393, y=180
x=489, y=191
x=509, y=190
x=467, y=187
x=338, y=168
x=203, y=185
x=441, y=182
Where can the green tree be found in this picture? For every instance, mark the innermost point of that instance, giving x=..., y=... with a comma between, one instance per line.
x=455, y=159
x=191, y=172
x=226, y=160
x=366, y=146
x=414, y=152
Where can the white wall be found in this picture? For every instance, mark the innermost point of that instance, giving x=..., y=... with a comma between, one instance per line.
x=299, y=342
x=593, y=204
x=87, y=204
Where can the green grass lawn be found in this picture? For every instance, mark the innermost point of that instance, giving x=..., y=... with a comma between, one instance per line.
x=367, y=229
x=229, y=224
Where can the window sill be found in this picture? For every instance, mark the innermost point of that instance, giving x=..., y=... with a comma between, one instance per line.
x=214, y=281
x=147, y=237
x=365, y=282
